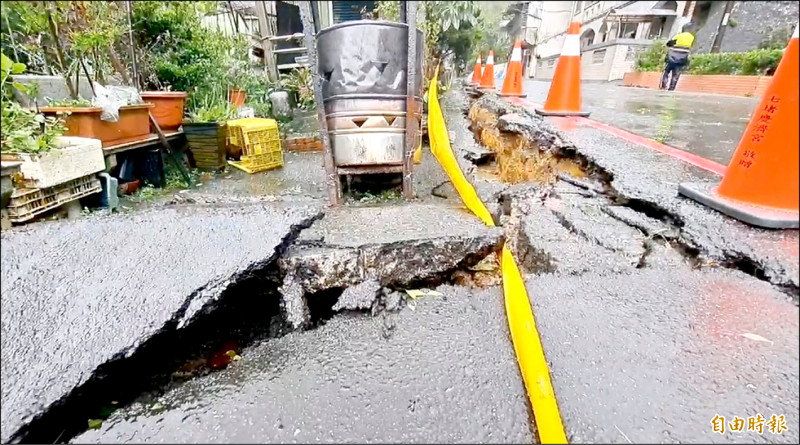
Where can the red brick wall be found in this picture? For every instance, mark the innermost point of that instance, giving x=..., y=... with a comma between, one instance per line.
x=713, y=84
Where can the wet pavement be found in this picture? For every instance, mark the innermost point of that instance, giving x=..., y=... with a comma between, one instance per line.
x=79, y=294
x=708, y=125
x=444, y=372
x=649, y=327
x=650, y=179
x=653, y=356
x=637, y=293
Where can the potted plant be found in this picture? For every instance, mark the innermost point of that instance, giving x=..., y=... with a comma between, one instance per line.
x=46, y=158
x=83, y=120
x=299, y=84
x=237, y=79
x=167, y=108
x=206, y=132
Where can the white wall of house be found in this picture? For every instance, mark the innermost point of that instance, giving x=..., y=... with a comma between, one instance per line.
x=607, y=47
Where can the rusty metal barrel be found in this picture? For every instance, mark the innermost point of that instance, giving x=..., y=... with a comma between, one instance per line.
x=363, y=66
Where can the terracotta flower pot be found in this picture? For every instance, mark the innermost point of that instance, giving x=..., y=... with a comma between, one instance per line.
x=168, y=107
x=237, y=96
x=133, y=124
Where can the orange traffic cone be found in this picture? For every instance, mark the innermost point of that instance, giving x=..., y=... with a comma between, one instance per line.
x=512, y=84
x=476, y=73
x=760, y=186
x=487, y=79
x=564, y=97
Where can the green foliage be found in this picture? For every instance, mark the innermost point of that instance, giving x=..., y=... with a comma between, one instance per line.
x=54, y=37
x=388, y=10
x=181, y=54
x=652, y=58
x=70, y=103
x=257, y=87
x=751, y=63
x=178, y=52
x=95, y=27
x=212, y=112
x=21, y=22
x=450, y=29
x=299, y=82
x=456, y=15
x=22, y=130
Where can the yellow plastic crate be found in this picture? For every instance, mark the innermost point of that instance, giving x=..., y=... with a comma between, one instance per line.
x=238, y=129
x=256, y=142
x=259, y=162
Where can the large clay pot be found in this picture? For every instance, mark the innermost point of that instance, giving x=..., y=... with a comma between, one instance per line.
x=237, y=96
x=168, y=108
x=133, y=123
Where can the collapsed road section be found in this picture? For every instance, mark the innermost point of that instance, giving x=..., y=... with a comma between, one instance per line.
x=634, y=185
x=651, y=322
x=80, y=307
x=370, y=247
x=199, y=285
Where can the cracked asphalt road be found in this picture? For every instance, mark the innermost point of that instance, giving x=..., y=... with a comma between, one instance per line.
x=444, y=372
x=78, y=294
x=709, y=125
x=644, y=341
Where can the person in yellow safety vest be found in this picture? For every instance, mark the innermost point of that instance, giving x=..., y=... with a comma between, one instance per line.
x=677, y=57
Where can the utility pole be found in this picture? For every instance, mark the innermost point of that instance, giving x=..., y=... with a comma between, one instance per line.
x=722, y=25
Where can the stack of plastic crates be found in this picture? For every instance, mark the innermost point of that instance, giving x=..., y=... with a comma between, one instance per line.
x=259, y=141
x=26, y=203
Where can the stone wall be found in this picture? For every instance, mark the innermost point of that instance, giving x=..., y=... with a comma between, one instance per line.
x=751, y=23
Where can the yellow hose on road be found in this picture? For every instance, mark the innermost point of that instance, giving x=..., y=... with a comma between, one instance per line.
x=530, y=355
x=440, y=147
x=524, y=336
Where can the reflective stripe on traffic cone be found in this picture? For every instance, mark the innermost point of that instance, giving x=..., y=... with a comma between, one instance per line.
x=564, y=97
x=762, y=183
x=476, y=73
x=487, y=79
x=512, y=84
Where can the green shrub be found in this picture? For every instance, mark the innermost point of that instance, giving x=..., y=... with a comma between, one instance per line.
x=22, y=130
x=652, y=59
x=180, y=52
x=752, y=63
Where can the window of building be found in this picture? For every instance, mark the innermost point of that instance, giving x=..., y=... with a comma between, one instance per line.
x=598, y=56
x=628, y=30
x=587, y=38
x=345, y=11
x=592, y=8
x=657, y=27
x=551, y=62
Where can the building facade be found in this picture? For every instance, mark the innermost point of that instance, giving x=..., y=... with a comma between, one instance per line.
x=614, y=32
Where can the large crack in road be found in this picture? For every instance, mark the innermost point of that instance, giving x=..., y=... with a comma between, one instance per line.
x=304, y=312
x=551, y=155
x=353, y=259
